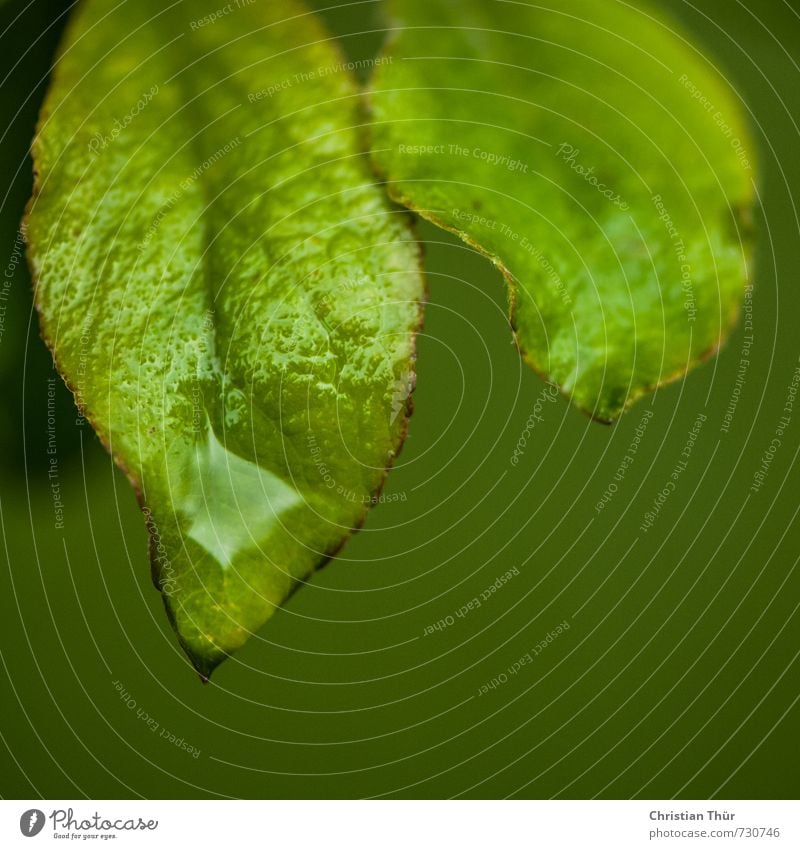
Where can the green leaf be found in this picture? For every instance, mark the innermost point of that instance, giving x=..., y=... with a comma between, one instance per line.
x=596, y=158
x=228, y=293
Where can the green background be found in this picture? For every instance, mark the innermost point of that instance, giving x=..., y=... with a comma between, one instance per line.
x=678, y=675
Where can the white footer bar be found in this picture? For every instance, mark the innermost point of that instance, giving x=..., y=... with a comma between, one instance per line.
x=402, y=824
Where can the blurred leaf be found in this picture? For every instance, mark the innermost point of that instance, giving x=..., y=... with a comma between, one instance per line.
x=231, y=298
x=596, y=158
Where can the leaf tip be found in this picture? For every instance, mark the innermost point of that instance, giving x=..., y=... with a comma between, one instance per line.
x=204, y=664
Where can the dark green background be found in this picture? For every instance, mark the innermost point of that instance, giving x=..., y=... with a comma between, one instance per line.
x=679, y=673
